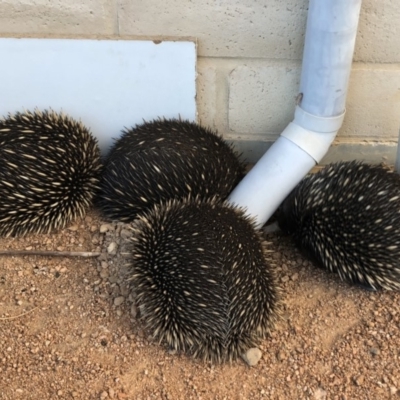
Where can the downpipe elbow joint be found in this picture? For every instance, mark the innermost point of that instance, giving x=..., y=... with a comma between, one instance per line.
x=313, y=134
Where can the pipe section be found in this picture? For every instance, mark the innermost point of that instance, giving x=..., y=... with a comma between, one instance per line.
x=327, y=58
x=397, y=163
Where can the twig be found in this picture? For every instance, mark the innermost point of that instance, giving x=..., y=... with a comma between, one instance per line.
x=17, y=316
x=49, y=253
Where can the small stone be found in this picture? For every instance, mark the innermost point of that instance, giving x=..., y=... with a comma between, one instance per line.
x=111, y=393
x=28, y=248
x=393, y=390
x=93, y=228
x=59, y=393
x=320, y=394
x=112, y=248
x=103, y=395
x=119, y=300
x=104, y=273
x=103, y=256
x=125, y=233
x=73, y=228
x=359, y=380
x=105, y=228
x=284, y=278
x=374, y=351
x=252, y=356
x=124, y=290
x=281, y=355
x=104, y=264
x=295, y=276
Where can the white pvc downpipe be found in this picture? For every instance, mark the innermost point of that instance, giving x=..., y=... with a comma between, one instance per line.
x=397, y=163
x=327, y=58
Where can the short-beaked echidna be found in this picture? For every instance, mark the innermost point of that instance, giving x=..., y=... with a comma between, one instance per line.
x=202, y=278
x=49, y=170
x=347, y=218
x=166, y=159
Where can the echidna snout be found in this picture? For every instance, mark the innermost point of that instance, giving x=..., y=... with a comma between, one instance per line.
x=202, y=278
x=347, y=218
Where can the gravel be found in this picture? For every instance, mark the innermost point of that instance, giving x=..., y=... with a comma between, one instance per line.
x=70, y=329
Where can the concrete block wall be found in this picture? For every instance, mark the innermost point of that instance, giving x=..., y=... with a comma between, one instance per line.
x=249, y=61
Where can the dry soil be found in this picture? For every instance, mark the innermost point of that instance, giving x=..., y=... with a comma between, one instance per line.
x=69, y=329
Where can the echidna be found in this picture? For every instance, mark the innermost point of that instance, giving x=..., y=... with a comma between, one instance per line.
x=49, y=170
x=202, y=279
x=166, y=159
x=347, y=218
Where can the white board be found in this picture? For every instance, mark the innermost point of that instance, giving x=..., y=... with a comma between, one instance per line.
x=108, y=84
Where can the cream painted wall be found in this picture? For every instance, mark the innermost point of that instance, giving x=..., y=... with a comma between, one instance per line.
x=249, y=61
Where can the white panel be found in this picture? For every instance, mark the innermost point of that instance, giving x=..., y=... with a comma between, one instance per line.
x=108, y=84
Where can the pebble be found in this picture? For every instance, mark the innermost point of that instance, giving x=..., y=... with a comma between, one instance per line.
x=393, y=390
x=125, y=234
x=103, y=395
x=281, y=355
x=104, y=274
x=124, y=290
x=73, y=228
x=359, y=380
x=103, y=256
x=112, y=248
x=320, y=394
x=105, y=228
x=111, y=393
x=252, y=356
x=374, y=351
x=119, y=300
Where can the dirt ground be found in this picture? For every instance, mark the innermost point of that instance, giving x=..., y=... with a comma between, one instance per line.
x=69, y=330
